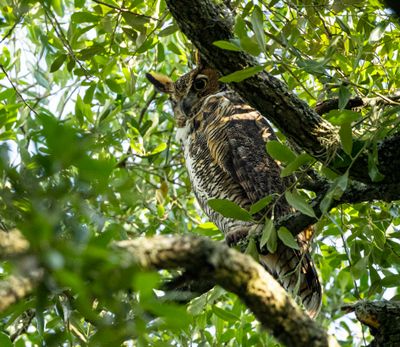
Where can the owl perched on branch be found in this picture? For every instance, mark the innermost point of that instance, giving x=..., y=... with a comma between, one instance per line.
x=223, y=141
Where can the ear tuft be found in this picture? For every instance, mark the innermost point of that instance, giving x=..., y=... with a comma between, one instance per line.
x=161, y=82
x=197, y=59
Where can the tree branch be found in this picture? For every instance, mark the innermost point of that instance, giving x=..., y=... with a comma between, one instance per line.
x=237, y=273
x=234, y=271
x=356, y=192
x=205, y=22
x=383, y=319
x=12, y=243
x=27, y=272
x=357, y=102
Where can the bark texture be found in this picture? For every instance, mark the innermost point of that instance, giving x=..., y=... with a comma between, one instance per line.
x=237, y=273
x=205, y=22
x=208, y=260
x=383, y=319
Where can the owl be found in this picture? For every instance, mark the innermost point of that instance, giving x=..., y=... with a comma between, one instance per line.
x=223, y=141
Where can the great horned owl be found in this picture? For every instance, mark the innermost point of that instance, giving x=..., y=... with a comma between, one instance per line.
x=223, y=141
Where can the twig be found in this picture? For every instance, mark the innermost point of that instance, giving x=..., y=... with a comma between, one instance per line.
x=9, y=32
x=121, y=9
x=16, y=90
x=59, y=31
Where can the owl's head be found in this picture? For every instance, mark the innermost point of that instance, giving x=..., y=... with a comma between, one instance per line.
x=188, y=92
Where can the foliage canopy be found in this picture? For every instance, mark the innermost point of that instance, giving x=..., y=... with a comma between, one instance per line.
x=88, y=156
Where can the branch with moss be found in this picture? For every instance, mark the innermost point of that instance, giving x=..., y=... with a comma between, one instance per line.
x=382, y=318
x=205, y=22
x=235, y=272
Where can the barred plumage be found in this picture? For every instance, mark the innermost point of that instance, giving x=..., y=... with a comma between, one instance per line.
x=223, y=140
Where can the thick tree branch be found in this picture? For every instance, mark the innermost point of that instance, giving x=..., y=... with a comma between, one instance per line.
x=383, y=319
x=357, y=102
x=235, y=272
x=333, y=104
x=27, y=272
x=12, y=243
x=16, y=287
x=205, y=22
x=355, y=193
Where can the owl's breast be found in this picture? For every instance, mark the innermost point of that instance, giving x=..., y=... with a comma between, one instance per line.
x=207, y=177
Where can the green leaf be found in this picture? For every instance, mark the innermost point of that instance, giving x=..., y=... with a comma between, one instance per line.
x=85, y=17
x=379, y=238
x=287, y=238
x=299, y=203
x=251, y=249
x=339, y=117
x=168, y=30
x=229, y=209
x=343, y=25
x=5, y=340
x=373, y=170
x=391, y=281
x=258, y=28
x=82, y=110
x=336, y=190
x=240, y=27
x=272, y=242
x=346, y=137
x=197, y=305
x=360, y=267
x=160, y=148
x=227, y=45
x=260, y=204
x=241, y=75
x=250, y=45
x=344, y=96
x=87, y=99
x=268, y=230
x=224, y=314
x=135, y=21
x=292, y=166
x=7, y=93
x=311, y=66
x=378, y=32
x=57, y=63
x=90, y=52
x=174, y=48
x=280, y=152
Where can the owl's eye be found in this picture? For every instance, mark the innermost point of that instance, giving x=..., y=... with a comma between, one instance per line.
x=200, y=83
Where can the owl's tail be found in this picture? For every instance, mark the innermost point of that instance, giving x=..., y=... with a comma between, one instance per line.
x=295, y=271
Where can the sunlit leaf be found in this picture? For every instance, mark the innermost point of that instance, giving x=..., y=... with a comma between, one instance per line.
x=258, y=28
x=230, y=46
x=241, y=75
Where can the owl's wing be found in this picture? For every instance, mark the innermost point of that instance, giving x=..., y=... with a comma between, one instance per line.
x=236, y=141
x=244, y=133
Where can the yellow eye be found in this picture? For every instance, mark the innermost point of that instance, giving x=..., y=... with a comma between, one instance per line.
x=200, y=83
